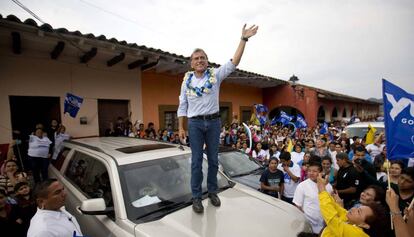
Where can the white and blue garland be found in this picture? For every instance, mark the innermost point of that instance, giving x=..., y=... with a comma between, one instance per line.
x=205, y=89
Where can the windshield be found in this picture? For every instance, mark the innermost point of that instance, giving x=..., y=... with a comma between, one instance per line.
x=236, y=163
x=360, y=131
x=151, y=186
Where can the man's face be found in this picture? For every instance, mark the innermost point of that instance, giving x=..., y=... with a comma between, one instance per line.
x=55, y=198
x=313, y=172
x=285, y=162
x=273, y=165
x=359, y=155
x=332, y=146
x=340, y=162
x=338, y=148
x=199, y=62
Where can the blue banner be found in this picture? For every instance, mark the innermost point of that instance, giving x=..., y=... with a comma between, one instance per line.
x=300, y=122
x=260, y=108
x=72, y=104
x=324, y=128
x=284, y=118
x=399, y=121
x=261, y=111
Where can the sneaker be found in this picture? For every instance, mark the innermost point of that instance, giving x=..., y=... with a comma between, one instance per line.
x=214, y=199
x=198, y=206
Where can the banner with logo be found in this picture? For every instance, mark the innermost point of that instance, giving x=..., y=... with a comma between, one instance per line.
x=261, y=111
x=300, y=122
x=72, y=104
x=324, y=128
x=399, y=121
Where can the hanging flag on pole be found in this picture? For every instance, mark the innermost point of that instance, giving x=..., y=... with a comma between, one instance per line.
x=72, y=104
x=399, y=121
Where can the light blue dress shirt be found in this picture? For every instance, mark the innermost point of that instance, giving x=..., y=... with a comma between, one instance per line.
x=208, y=103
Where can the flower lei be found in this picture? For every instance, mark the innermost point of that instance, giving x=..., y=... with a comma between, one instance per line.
x=205, y=89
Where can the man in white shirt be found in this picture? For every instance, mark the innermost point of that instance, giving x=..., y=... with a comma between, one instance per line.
x=306, y=197
x=51, y=219
x=291, y=176
x=332, y=152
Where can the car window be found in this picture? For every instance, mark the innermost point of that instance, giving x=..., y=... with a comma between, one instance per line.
x=237, y=163
x=147, y=185
x=61, y=158
x=90, y=176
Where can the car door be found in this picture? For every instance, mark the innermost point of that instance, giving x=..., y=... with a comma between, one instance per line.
x=87, y=177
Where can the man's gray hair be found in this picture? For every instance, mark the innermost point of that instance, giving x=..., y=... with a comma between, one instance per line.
x=197, y=50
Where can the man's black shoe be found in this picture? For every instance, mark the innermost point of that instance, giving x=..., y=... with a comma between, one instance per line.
x=214, y=199
x=198, y=206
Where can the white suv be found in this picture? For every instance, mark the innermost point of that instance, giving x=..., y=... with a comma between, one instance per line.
x=131, y=187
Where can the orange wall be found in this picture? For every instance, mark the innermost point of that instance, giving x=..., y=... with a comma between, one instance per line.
x=240, y=95
x=164, y=89
x=158, y=89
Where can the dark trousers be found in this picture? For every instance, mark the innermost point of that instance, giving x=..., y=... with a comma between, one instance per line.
x=39, y=167
x=288, y=200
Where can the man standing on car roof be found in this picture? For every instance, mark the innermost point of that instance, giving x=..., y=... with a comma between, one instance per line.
x=199, y=101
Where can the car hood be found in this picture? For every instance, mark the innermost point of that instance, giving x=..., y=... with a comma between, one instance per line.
x=251, y=180
x=243, y=212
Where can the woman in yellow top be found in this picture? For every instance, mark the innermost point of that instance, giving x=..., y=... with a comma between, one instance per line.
x=369, y=220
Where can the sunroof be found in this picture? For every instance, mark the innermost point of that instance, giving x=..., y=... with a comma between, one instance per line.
x=141, y=148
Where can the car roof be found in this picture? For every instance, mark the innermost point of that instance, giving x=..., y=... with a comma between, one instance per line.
x=365, y=124
x=125, y=150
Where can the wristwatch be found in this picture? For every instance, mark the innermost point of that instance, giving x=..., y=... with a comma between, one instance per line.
x=245, y=38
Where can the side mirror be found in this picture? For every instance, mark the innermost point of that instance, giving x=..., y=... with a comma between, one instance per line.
x=95, y=206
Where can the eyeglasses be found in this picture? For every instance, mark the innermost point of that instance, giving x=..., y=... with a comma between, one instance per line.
x=199, y=58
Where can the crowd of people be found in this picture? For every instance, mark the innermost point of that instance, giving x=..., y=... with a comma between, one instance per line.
x=339, y=183
x=19, y=201
x=352, y=198
x=355, y=199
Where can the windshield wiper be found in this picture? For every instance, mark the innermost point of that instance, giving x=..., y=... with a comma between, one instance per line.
x=168, y=208
x=247, y=173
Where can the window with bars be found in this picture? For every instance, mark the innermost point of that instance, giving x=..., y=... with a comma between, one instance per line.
x=170, y=117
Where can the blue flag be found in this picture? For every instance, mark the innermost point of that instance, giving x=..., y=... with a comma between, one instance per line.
x=260, y=113
x=324, y=129
x=260, y=108
x=399, y=121
x=300, y=122
x=72, y=104
x=284, y=118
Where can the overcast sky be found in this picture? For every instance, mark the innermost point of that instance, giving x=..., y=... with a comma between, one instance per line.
x=341, y=46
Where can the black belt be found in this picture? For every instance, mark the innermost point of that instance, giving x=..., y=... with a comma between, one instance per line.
x=207, y=116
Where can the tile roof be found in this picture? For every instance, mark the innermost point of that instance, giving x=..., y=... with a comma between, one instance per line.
x=241, y=76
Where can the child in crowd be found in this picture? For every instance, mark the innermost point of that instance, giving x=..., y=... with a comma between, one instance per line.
x=26, y=205
x=271, y=181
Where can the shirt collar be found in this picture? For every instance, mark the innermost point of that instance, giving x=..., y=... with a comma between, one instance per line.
x=51, y=213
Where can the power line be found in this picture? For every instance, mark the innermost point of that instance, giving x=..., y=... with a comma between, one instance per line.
x=121, y=17
x=38, y=18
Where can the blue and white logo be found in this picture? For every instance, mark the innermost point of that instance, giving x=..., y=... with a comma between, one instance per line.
x=399, y=121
